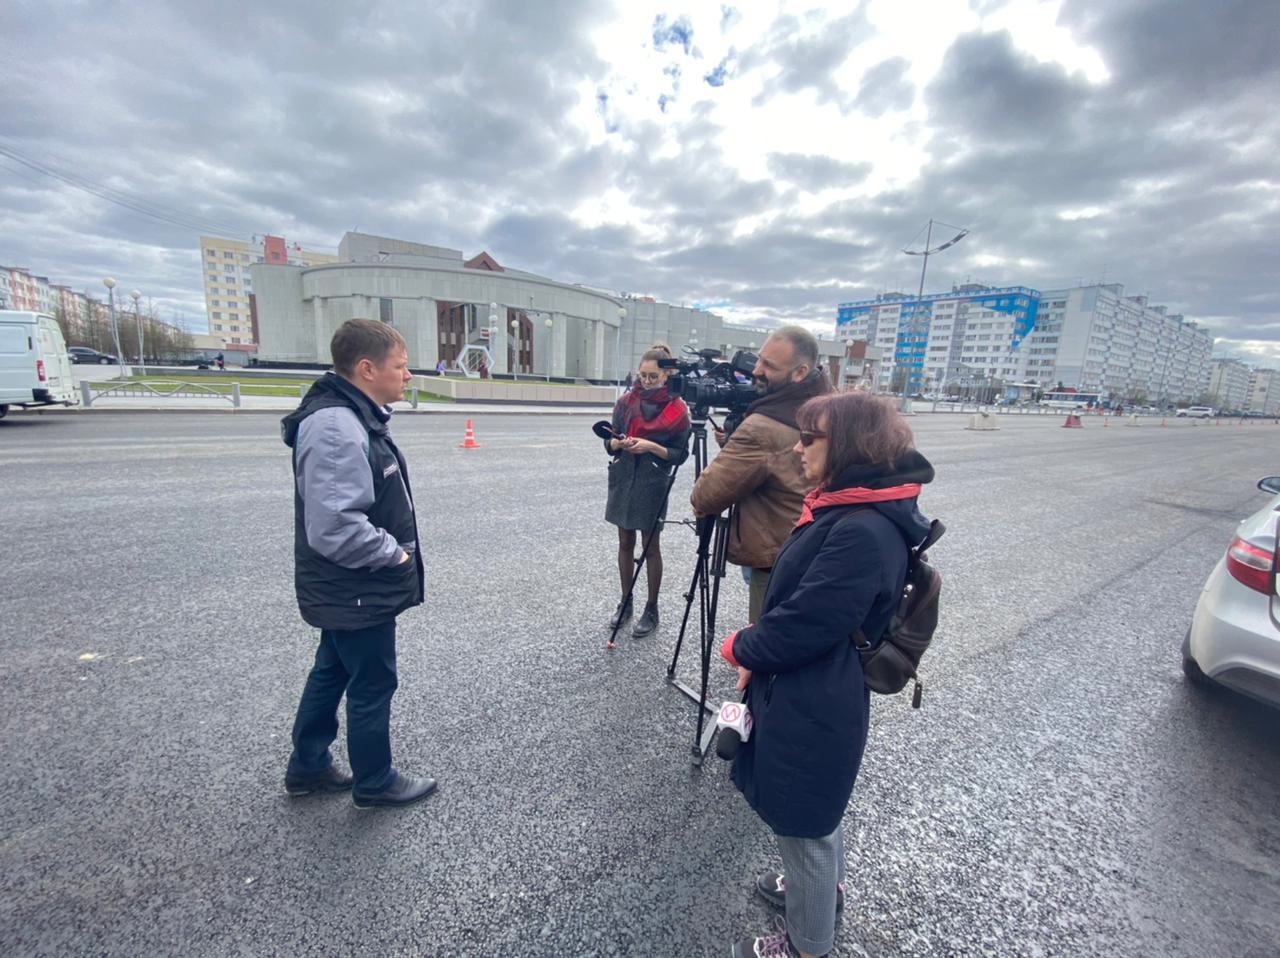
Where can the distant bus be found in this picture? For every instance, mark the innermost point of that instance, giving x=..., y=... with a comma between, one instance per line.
x=1070, y=399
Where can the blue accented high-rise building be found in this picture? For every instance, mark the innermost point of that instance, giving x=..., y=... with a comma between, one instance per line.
x=973, y=333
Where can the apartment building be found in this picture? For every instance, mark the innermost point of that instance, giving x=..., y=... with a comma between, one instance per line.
x=1097, y=339
x=21, y=290
x=972, y=332
x=228, y=287
x=1264, y=392
x=1229, y=384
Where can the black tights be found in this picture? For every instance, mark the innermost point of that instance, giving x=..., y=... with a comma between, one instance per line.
x=652, y=562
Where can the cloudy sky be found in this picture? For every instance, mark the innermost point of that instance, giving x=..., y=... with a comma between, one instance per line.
x=766, y=159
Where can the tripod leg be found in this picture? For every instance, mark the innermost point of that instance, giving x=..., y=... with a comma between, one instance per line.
x=715, y=574
x=695, y=587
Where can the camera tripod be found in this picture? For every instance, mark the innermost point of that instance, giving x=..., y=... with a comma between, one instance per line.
x=713, y=535
x=708, y=571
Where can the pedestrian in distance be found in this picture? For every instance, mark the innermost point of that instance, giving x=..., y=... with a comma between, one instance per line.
x=442, y=367
x=651, y=438
x=841, y=570
x=221, y=361
x=357, y=564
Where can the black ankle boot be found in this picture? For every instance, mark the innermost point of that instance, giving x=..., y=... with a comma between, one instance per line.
x=621, y=613
x=647, y=623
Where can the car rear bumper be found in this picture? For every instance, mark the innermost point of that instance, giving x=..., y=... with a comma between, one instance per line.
x=1235, y=638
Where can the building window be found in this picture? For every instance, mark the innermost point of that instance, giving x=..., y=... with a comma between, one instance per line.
x=385, y=311
x=217, y=327
x=214, y=302
x=216, y=315
x=210, y=252
x=226, y=254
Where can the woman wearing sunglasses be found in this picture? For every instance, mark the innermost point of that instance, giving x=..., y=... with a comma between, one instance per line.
x=842, y=569
x=651, y=437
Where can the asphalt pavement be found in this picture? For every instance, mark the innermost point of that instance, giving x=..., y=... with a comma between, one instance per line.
x=1063, y=791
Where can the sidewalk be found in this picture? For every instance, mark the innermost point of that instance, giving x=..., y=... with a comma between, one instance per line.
x=280, y=405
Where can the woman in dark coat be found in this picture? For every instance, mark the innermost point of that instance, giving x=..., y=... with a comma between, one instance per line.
x=842, y=569
x=653, y=438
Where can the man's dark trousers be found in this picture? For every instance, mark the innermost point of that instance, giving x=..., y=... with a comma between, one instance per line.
x=361, y=663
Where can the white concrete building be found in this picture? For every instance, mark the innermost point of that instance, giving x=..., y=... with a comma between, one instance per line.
x=443, y=303
x=1229, y=384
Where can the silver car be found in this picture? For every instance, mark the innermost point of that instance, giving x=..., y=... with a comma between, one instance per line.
x=1234, y=639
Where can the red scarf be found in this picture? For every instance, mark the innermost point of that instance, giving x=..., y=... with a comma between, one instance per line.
x=650, y=414
x=820, y=499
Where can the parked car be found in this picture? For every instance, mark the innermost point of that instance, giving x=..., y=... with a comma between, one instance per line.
x=34, y=367
x=1197, y=412
x=1234, y=638
x=83, y=354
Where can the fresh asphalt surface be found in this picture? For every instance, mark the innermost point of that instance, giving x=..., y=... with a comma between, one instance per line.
x=1062, y=792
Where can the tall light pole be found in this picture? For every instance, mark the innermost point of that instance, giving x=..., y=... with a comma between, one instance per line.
x=551, y=336
x=915, y=316
x=617, y=350
x=493, y=335
x=515, y=332
x=137, y=318
x=110, y=284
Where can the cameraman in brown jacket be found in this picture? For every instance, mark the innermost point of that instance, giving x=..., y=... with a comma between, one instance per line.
x=758, y=467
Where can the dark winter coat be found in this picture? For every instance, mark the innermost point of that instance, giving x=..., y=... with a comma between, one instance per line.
x=839, y=573
x=638, y=484
x=350, y=533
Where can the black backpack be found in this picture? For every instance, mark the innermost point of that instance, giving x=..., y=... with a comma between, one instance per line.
x=889, y=664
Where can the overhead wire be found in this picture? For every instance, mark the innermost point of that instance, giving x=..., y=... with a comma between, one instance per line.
x=156, y=211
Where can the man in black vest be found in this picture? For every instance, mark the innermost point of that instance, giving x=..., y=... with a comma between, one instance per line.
x=357, y=564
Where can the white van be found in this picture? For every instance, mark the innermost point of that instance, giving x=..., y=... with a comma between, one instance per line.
x=35, y=369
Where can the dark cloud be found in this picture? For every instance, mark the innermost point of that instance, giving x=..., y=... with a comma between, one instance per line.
x=804, y=57
x=446, y=124
x=885, y=87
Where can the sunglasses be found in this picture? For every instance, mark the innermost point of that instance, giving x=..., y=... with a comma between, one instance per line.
x=807, y=438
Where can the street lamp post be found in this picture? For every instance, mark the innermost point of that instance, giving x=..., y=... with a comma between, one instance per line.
x=110, y=284
x=617, y=350
x=137, y=318
x=915, y=315
x=493, y=335
x=515, y=332
x=551, y=335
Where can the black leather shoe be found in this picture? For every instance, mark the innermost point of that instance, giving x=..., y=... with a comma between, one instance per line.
x=403, y=790
x=330, y=780
x=621, y=613
x=647, y=623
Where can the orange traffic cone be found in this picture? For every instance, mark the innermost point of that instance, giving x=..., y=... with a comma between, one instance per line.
x=470, y=441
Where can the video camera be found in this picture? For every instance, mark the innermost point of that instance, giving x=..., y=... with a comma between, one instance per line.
x=706, y=384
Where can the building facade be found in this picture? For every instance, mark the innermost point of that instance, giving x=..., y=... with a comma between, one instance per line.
x=1089, y=338
x=444, y=303
x=228, y=284
x=1264, y=392
x=1229, y=384
x=1096, y=339
x=973, y=331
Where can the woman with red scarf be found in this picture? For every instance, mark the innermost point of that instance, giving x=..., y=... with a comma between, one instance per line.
x=841, y=570
x=652, y=438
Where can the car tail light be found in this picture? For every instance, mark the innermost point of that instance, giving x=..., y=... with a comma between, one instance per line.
x=1250, y=565
x=40, y=370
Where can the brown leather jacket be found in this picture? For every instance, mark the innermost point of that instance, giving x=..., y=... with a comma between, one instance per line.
x=759, y=469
